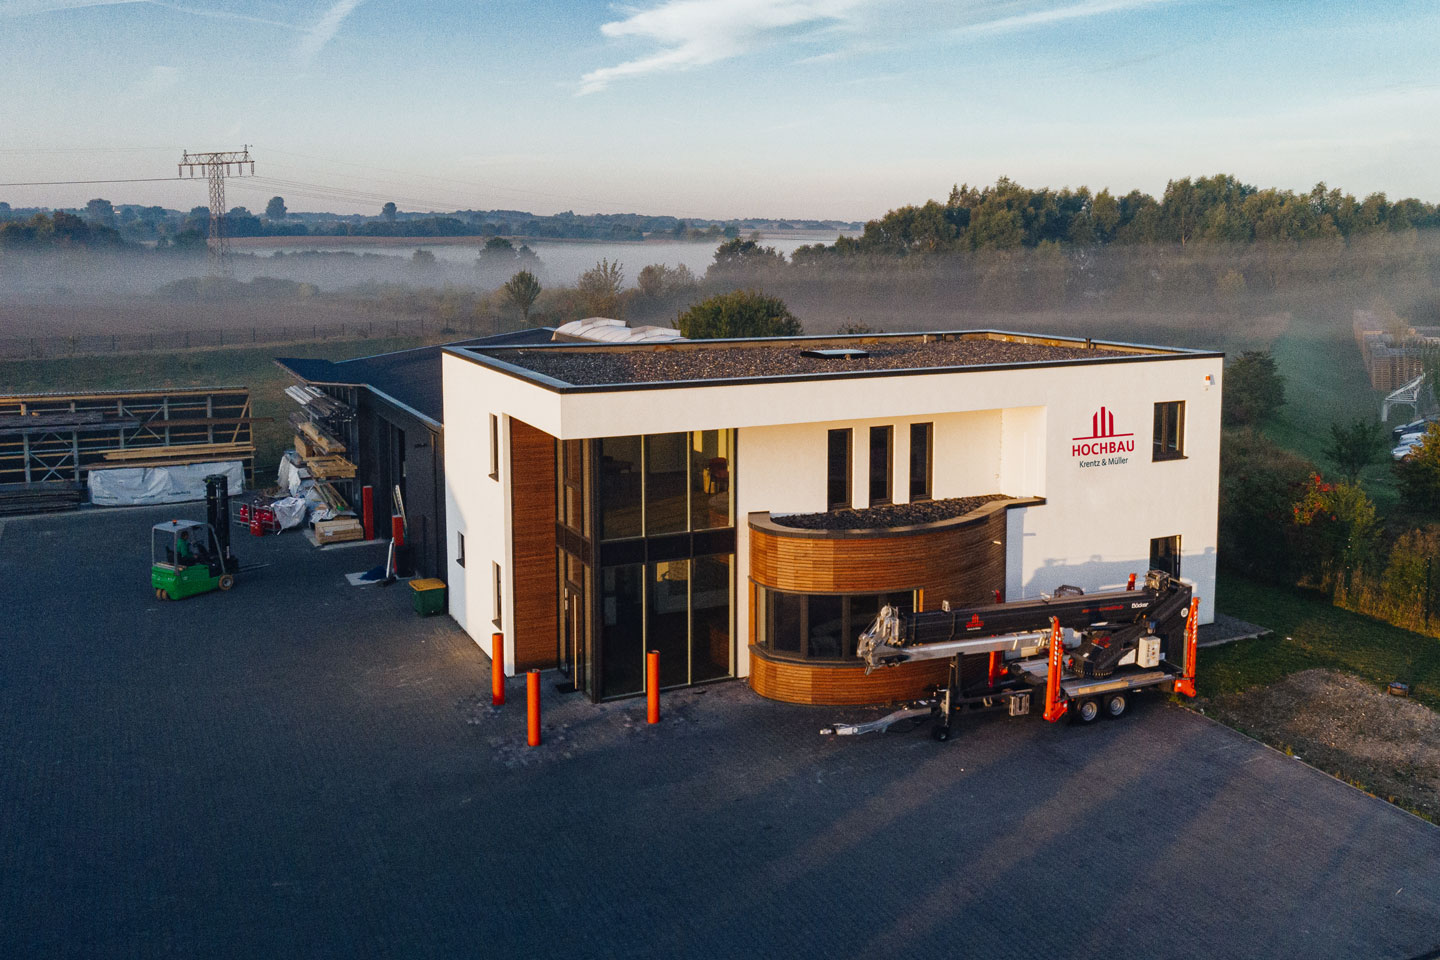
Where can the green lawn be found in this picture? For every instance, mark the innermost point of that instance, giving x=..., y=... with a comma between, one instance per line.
x=1309, y=632
x=248, y=367
x=1325, y=383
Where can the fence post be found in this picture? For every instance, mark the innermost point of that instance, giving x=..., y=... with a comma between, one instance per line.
x=1429, y=561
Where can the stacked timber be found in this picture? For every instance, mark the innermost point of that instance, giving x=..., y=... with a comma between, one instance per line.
x=320, y=452
x=15, y=503
x=171, y=456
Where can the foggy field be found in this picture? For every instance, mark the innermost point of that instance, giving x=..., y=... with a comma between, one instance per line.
x=97, y=315
x=254, y=368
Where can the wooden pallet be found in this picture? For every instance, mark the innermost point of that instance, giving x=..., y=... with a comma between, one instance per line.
x=323, y=443
x=329, y=468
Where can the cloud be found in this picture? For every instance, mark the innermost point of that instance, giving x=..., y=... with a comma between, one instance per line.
x=325, y=28
x=1051, y=15
x=693, y=33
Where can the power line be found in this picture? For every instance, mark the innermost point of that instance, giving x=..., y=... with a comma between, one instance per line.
x=69, y=183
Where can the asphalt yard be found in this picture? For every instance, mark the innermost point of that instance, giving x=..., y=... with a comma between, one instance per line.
x=301, y=768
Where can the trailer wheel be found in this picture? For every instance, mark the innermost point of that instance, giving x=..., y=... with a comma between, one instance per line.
x=1086, y=711
x=1116, y=704
x=940, y=732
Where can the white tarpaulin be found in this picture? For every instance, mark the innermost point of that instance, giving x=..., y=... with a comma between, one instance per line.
x=127, y=486
x=290, y=511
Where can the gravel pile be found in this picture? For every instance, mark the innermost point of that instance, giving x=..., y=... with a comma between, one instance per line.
x=669, y=364
x=895, y=515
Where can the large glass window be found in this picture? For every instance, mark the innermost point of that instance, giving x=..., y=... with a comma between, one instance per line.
x=572, y=485
x=709, y=618
x=668, y=627
x=620, y=488
x=818, y=626
x=1169, y=443
x=881, y=447
x=622, y=630
x=710, y=460
x=921, y=436
x=837, y=469
x=665, y=493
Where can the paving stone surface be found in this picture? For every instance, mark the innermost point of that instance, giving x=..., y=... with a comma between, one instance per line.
x=302, y=768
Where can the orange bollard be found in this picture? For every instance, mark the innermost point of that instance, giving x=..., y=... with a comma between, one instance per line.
x=497, y=669
x=532, y=708
x=652, y=687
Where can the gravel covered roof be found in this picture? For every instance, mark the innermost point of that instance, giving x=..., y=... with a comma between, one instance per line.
x=892, y=515
x=696, y=361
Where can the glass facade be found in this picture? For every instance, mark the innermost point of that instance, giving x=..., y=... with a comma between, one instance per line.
x=661, y=508
x=882, y=444
x=818, y=626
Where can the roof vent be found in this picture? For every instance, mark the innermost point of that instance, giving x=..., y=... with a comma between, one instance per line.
x=836, y=354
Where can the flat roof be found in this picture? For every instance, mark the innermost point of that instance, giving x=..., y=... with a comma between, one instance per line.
x=587, y=367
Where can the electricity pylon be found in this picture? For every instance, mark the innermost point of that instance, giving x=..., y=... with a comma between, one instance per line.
x=216, y=166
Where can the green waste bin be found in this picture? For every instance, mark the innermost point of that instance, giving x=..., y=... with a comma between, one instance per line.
x=427, y=596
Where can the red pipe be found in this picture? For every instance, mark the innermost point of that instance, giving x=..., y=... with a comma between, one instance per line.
x=532, y=708
x=652, y=687
x=367, y=511
x=497, y=669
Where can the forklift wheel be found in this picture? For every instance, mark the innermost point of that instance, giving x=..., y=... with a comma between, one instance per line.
x=1116, y=704
x=940, y=733
x=159, y=594
x=227, y=581
x=1086, y=711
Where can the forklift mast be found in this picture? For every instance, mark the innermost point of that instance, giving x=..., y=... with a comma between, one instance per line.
x=217, y=510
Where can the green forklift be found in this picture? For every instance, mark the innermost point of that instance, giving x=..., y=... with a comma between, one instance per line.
x=188, y=557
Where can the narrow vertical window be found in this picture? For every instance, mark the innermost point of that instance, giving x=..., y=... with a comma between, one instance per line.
x=459, y=548
x=499, y=587
x=1165, y=555
x=494, y=447
x=1169, y=430
x=881, y=446
x=921, y=435
x=838, y=470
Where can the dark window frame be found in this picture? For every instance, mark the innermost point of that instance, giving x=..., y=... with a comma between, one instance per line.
x=1174, y=553
x=831, y=503
x=494, y=447
x=927, y=431
x=1168, y=440
x=888, y=495
x=765, y=621
x=460, y=548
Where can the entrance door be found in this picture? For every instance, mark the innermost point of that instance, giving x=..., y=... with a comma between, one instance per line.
x=572, y=632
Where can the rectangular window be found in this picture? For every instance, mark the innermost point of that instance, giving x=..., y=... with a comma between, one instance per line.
x=620, y=488
x=499, y=588
x=622, y=630
x=818, y=626
x=666, y=460
x=882, y=441
x=921, y=435
x=459, y=548
x=667, y=624
x=709, y=618
x=494, y=447
x=710, y=458
x=838, y=470
x=1170, y=430
x=1165, y=555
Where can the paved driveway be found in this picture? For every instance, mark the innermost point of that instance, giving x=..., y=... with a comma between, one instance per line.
x=303, y=768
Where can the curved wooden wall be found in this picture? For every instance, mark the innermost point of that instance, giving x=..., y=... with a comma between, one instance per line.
x=960, y=560
x=837, y=684
x=957, y=560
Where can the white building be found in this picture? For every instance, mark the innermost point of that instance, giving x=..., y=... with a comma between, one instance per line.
x=745, y=506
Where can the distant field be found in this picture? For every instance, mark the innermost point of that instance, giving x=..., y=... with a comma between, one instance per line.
x=254, y=368
x=75, y=315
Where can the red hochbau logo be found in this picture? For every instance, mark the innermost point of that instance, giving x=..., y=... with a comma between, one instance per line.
x=1102, y=439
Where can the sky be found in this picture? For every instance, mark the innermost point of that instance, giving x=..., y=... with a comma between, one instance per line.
x=711, y=108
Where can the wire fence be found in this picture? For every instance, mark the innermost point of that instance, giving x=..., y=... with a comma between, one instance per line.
x=82, y=345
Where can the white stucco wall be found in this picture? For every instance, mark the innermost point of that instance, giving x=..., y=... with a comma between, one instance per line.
x=1004, y=431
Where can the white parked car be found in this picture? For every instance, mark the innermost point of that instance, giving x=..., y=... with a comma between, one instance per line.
x=1405, y=450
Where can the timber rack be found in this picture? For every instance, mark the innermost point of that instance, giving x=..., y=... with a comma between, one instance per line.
x=49, y=442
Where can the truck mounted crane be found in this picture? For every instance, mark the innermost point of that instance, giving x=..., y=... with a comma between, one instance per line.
x=1082, y=655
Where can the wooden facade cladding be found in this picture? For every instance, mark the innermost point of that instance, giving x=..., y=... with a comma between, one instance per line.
x=839, y=684
x=961, y=560
x=532, y=562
